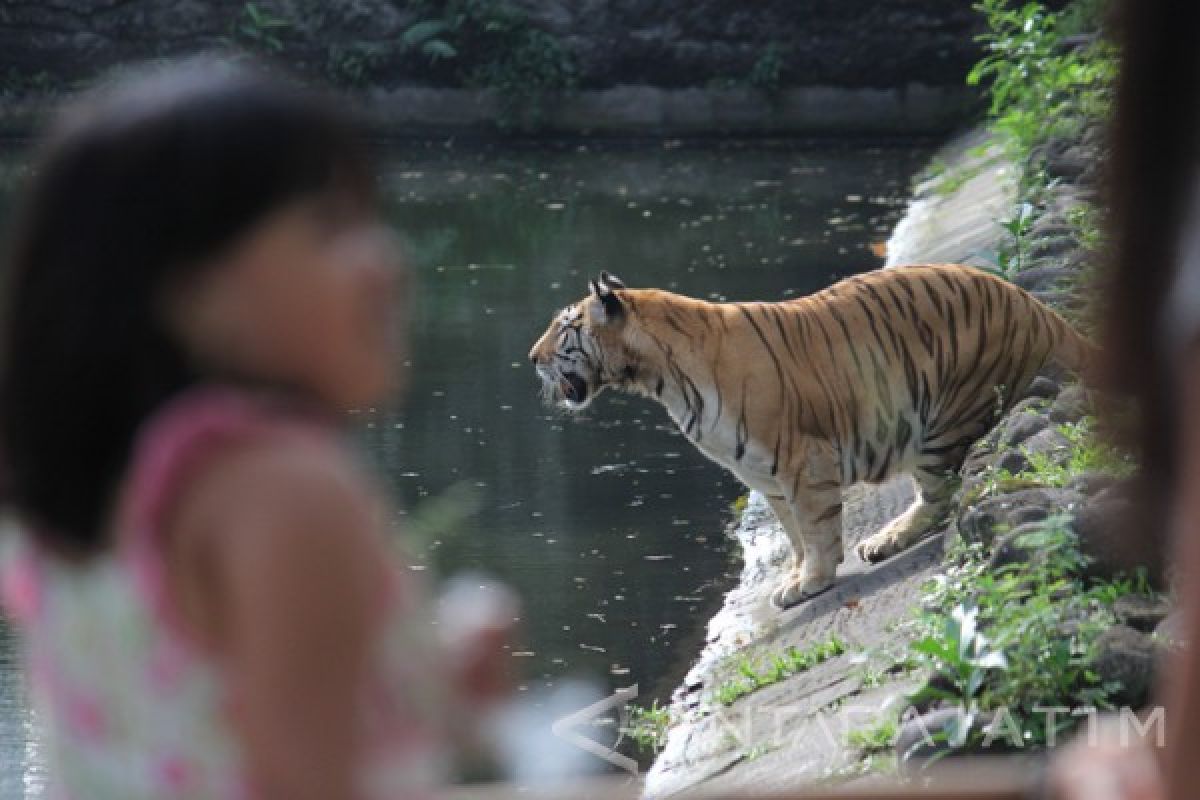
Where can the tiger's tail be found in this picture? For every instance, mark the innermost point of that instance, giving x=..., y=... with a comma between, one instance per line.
x=1071, y=349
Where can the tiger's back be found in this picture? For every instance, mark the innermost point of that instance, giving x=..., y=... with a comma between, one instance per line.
x=915, y=363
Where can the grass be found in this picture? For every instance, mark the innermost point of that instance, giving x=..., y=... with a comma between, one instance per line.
x=1085, y=223
x=1087, y=452
x=648, y=727
x=876, y=738
x=752, y=674
x=951, y=181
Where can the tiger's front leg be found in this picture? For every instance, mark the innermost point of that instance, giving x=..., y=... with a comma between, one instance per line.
x=815, y=531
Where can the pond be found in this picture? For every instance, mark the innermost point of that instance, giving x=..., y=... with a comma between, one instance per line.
x=608, y=524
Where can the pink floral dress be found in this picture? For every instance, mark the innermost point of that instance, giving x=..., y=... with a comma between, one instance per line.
x=129, y=706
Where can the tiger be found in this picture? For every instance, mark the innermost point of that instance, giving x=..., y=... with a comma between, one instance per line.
x=893, y=371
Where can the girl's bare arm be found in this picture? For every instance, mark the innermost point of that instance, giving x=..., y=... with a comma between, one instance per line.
x=283, y=579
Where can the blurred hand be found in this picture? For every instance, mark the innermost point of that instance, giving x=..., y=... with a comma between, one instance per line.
x=478, y=618
x=1104, y=769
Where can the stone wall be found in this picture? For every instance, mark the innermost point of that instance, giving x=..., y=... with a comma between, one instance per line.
x=661, y=67
x=664, y=43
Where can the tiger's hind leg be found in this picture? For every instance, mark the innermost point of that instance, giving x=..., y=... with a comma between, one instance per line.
x=934, y=491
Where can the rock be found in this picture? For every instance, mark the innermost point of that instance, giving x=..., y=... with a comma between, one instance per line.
x=1069, y=163
x=1172, y=631
x=918, y=736
x=1090, y=483
x=1042, y=388
x=1050, y=224
x=1037, y=279
x=923, y=736
x=1050, y=247
x=1049, y=442
x=1126, y=657
x=1007, y=512
x=1142, y=612
x=1020, y=426
x=1008, y=548
x=1059, y=298
x=1108, y=530
x=1012, y=461
x=1073, y=404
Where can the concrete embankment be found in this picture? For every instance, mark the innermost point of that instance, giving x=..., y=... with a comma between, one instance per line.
x=636, y=110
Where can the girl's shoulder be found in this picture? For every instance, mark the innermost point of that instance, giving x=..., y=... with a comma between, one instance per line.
x=218, y=475
x=209, y=423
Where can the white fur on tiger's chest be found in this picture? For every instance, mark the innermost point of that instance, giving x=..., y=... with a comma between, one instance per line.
x=718, y=440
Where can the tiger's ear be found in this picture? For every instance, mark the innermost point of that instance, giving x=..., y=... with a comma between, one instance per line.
x=604, y=294
x=612, y=281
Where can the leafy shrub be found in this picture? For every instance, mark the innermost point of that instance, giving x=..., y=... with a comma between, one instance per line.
x=259, y=28
x=1039, y=85
x=1019, y=638
x=496, y=46
x=767, y=71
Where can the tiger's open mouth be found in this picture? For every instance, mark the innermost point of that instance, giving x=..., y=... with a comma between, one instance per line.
x=574, y=389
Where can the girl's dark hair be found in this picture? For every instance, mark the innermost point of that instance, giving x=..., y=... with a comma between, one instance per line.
x=137, y=183
x=1154, y=136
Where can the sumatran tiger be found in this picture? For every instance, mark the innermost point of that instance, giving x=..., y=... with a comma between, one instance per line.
x=893, y=371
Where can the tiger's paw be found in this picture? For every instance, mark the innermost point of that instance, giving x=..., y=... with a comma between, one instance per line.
x=899, y=534
x=879, y=547
x=797, y=587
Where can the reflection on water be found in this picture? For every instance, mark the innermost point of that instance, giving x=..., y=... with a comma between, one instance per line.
x=608, y=524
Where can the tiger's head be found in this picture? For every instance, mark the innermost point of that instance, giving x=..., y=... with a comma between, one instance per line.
x=583, y=351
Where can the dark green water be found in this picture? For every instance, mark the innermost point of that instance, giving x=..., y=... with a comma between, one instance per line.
x=609, y=524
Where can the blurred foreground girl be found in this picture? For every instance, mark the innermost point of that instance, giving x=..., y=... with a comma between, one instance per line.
x=197, y=285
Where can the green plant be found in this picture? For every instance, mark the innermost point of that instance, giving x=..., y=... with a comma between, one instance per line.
x=758, y=751
x=430, y=37
x=1084, y=17
x=875, y=738
x=1042, y=621
x=259, y=28
x=1086, y=452
x=647, y=727
x=16, y=81
x=1039, y=86
x=1084, y=220
x=495, y=45
x=1012, y=255
x=963, y=656
x=526, y=72
x=752, y=674
x=767, y=70
x=351, y=64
